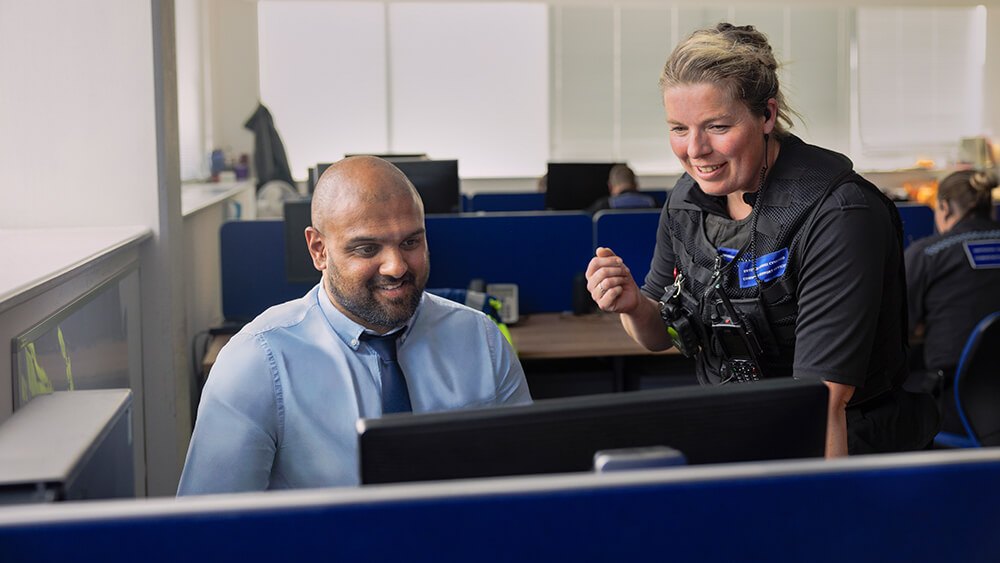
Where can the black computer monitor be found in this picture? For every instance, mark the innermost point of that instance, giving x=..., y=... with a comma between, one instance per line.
x=394, y=156
x=298, y=263
x=576, y=185
x=315, y=173
x=436, y=182
x=772, y=419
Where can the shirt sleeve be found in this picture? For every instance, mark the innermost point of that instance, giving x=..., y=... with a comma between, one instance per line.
x=845, y=270
x=235, y=438
x=916, y=285
x=661, y=268
x=511, y=385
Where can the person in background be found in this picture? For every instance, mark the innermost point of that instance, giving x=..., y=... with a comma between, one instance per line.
x=280, y=407
x=953, y=281
x=773, y=257
x=623, y=192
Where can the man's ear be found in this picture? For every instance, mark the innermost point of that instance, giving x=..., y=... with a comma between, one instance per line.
x=317, y=248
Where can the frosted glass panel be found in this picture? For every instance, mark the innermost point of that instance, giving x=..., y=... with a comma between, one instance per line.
x=470, y=81
x=322, y=75
x=583, y=127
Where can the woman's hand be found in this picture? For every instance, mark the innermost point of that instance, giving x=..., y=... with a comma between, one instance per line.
x=610, y=283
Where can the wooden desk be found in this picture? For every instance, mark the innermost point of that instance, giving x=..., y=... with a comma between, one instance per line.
x=543, y=336
x=563, y=335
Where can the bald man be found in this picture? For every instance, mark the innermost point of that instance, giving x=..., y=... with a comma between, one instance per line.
x=280, y=407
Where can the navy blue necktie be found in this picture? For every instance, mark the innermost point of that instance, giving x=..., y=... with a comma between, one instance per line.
x=395, y=396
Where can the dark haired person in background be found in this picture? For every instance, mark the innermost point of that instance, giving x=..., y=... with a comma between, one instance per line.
x=953, y=279
x=765, y=235
x=280, y=408
x=623, y=192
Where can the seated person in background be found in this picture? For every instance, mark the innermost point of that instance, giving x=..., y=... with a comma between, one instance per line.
x=280, y=407
x=623, y=192
x=950, y=289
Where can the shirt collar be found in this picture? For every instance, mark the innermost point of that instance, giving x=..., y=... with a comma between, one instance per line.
x=350, y=331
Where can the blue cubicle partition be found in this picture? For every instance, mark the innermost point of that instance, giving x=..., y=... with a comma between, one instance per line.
x=933, y=507
x=508, y=201
x=918, y=221
x=631, y=234
x=252, y=255
x=659, y=195
x=540, y=252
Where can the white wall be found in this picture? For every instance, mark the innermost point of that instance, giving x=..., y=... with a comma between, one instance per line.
x=234, y=87
x=77, y=125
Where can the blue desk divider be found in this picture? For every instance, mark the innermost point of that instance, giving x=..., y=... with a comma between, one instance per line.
x=659, y=195
x=918, y=221
x=252, y=254
x=530, y=201
x=889, y=511
x=631, y=234
x=540, y=252
x=466, y=203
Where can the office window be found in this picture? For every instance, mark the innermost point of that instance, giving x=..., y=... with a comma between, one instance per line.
x=470, y=81
x=919, y=79
x=322, y=75
x=607, y=60
x=453, y=80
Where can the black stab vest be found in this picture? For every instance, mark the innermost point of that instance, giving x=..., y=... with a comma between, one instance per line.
x=803, y=177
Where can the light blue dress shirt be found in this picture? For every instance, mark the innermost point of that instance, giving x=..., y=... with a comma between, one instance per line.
x=280, y=407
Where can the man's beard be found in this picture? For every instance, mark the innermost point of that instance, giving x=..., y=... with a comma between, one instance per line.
x=364, y=305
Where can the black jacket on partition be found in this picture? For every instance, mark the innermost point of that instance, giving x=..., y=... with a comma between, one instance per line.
x=269, y=159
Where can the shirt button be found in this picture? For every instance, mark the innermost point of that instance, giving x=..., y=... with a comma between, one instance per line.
x=354, y=342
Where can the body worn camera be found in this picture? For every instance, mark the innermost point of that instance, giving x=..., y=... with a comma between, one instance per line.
x=680, y=326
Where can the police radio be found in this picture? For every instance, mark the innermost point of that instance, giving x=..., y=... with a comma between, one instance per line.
x=738, y=343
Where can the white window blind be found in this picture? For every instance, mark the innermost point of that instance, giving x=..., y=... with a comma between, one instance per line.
x=453, y=79
x=470, y=81
x=919, y=77
x=322, y=76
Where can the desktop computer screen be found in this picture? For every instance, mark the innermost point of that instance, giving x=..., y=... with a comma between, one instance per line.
x=772, y=419
x=298, y=263
x=575, y=185
x=436, y=182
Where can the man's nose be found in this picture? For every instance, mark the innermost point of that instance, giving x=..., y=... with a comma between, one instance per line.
x=394, y=263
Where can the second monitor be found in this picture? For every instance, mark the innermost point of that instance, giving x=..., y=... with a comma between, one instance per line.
x=575, y=185
x=436, y=180
x=772, y=419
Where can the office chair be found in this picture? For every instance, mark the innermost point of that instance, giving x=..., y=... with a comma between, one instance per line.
x=977, y=388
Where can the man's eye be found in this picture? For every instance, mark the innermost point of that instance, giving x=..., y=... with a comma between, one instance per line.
x=366, y=251
x=718, y=128
x=410, y=244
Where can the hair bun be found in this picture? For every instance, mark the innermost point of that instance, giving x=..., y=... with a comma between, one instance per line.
x=984, y=180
